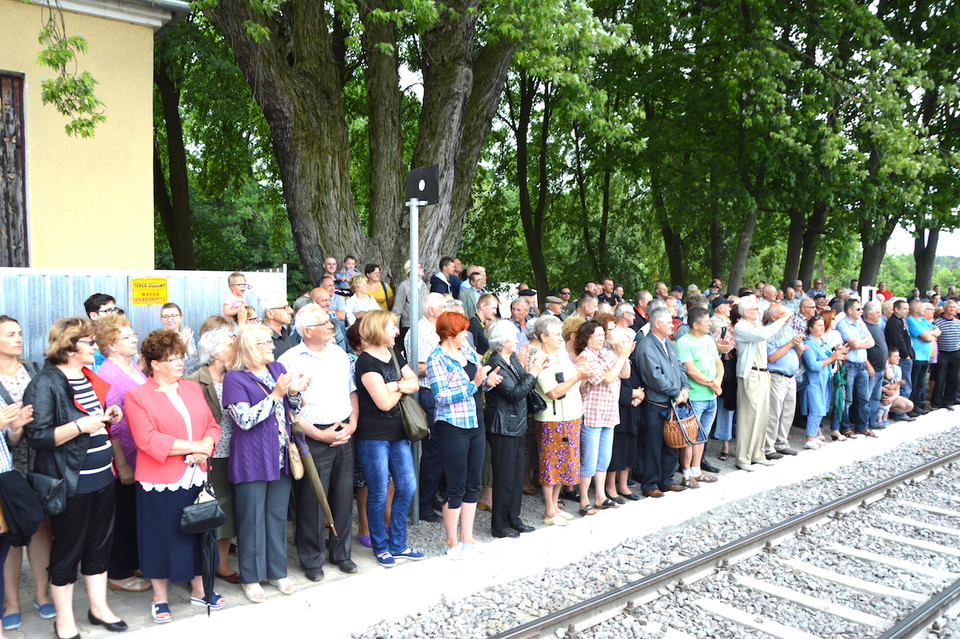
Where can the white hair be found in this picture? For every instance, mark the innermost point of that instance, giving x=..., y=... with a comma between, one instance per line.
x=499, y=332
x=211, y=343
x=309, y=315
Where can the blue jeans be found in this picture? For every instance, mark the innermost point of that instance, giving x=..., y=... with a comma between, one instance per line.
x=724, y=430
x=379, y=460
x=596, y=445
x=875, y=385
x=705, y=410
x=857, y=397
x=906, y=370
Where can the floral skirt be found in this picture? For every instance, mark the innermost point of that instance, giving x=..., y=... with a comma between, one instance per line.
x=559, y=452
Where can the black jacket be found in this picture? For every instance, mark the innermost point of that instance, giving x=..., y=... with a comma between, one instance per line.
x=506, y=410
x=54, y=405
x=898, y=337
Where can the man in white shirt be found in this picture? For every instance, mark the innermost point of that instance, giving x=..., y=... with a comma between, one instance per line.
x=328, y=419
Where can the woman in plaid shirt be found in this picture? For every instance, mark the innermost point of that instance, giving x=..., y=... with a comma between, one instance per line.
x=456, y=376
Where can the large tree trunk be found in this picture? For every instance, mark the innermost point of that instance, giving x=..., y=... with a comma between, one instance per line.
x=13, y=215
x=791, y=267
x=743, y=250
x=531, y=215
x=582, y=198
x=812, y=231
x=925, y=255
x=870, y=264
x=672, y=244
x=173, y=205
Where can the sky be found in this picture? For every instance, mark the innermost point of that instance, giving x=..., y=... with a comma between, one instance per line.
x=901, y=242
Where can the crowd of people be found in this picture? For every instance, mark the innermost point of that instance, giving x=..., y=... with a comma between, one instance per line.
x=118, y=435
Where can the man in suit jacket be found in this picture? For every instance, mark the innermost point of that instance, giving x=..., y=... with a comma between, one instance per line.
x=442, y=280
x=664, y=380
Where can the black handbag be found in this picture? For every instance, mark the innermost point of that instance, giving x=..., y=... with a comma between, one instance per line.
x=535, y=403
x=21, y=508
x=51, y=491
x=204, y=513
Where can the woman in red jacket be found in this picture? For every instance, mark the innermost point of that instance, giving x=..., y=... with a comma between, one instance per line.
x=174, y=432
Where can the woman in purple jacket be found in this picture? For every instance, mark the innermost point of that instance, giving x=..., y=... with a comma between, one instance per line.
x=260, y=397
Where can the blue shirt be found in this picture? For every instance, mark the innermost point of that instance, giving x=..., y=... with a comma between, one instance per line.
x=789, y=362
x=853, y=330
x=915, y=326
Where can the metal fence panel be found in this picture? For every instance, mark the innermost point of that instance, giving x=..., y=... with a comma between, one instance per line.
x=38, y=297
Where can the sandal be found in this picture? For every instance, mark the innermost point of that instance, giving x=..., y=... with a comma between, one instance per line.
x=232, y=578
x=587, y=510
x=161, y=613
x=284, y=585
x=849, y=434
x=571, y=495
x=216, y=601
x=722, y=457
x=134, y=584
x=254, y=593
x=869, y=433
x=608, y=503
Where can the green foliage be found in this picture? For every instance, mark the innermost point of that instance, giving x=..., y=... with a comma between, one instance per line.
x=71, y=91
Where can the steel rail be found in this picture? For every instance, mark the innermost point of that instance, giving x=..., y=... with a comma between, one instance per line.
x=612, y=602
x=916, y=623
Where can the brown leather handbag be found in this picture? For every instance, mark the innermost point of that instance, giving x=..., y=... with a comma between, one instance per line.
x=680, y=432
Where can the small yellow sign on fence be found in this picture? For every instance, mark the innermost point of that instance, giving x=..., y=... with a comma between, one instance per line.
x=145, y=291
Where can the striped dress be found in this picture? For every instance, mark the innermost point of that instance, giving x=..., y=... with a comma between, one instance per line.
x=96, y=472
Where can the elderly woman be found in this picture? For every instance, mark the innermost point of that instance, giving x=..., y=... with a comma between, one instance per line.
x=601, y=413
x=505, y=417
x=818, y=361
x=118, y=343
x=380, y=442
x=569, y=330
x=69, y=433
x=216, y=355
x=172, y=319
x=558, y=426
x=175, y=433
x=456, y=377
x=260, y=397
x=625, y=433
x=14, y=377
x=361, y=302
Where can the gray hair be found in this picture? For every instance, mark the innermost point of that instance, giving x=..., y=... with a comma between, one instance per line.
x=870, y=307
x=617, y=335
x=211, y=343
x=543, y=324
x=660, y=315
x=501, y=331
x=747, y=302
x=455, y=306
x=655, y=304
x=433, y=300
x=622, y=309
x=309, y=315
x=697, y=300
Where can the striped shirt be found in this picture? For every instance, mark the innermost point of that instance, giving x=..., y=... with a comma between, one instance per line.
x=96, y=472
x=949, y=340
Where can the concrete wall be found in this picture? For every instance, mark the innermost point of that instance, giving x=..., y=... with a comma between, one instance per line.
x=89, y=201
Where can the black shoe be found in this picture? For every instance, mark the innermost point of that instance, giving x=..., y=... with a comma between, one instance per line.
x=523, y=528
x=430, y=515
x=630, y=482
x=313, y=574
x=570, y=495
x=902, y=418
x=630, y=496
x=921, y=411
x=773, y=456
x=116, y=626
x=708, y=467
x=347, y=566
x=506, y=532
x=785, y=451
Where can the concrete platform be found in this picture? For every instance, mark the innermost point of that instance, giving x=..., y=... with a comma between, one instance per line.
x=342, y=604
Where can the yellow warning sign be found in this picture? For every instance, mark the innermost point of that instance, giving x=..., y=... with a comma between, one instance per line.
x=145, y=291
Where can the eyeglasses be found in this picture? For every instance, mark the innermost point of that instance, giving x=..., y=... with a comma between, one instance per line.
x=241, y=285
x=328, y=324
x=280, y=308
x=170, y=317
x=88, y=342
x=108, y=311
x=254, y=320
x=173, y=360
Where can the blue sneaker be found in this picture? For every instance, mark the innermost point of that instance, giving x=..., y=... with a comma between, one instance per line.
x=11, y=621
x=47, y=610
x=412, y=555
x=386, y=560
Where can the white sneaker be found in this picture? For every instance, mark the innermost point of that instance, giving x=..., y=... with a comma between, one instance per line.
x=812, y=445
x=456, y=553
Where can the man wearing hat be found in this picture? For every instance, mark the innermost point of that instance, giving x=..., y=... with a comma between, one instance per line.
x=677, y=293
x=554, y=306
x=529, y=295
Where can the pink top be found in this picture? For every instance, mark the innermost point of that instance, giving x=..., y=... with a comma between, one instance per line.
x=120, y=384
x=601, y=402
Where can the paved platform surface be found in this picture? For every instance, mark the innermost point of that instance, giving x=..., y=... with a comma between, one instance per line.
x=342, y=604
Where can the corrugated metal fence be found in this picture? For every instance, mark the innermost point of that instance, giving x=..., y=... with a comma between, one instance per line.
x=38, y=297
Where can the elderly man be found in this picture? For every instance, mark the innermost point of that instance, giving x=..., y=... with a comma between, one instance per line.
x=486, y=313
x=784, y=350
x=519, y=309
x=277, y=315
x=664, y=381
x=431, y=466
x=661, y=291
x=948, y=358
x=323, y=298
x=817, y=290
x=328, y=419
x=470, y=294
x=923, y=334
x=768, y=297
x=898, y=338
x=876, y=359
x=337, y=305
x=554, y=306
x=753, y=376
x=625, y=316
x=790, y=300
x=857, y=338
x=640, y=307
x=674, y=309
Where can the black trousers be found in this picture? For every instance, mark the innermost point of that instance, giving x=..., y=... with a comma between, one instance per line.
x=461, y=451
x=919, y=382
x=506, y=458
x=945, y=379
x=431, y=466
x=123, y=551
x=82, y=535
x=659, y=460
x=335, y=467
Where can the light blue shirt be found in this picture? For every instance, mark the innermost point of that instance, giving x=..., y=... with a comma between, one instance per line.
x=789, y=362
x=853, y=330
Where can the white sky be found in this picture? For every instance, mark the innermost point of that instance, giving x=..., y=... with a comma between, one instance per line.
x=901, y=242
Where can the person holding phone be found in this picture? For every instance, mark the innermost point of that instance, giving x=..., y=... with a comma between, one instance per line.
x=69, y=433
x=456, y=378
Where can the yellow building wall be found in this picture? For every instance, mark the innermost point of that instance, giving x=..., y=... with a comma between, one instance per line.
x=89, y=201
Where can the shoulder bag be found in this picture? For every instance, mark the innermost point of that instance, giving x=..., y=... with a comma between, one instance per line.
x=681, y=429
x=293, y=452
x=412, y=415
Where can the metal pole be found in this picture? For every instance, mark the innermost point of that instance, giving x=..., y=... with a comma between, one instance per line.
x=412, y=355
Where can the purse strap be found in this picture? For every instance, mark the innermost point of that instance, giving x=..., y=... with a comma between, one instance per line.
x=283, y=431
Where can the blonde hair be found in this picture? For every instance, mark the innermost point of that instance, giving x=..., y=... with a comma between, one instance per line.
x=359, y=283
x=373, y=324
x=63, y=337
x=248, y=354
x=108, y=331
x=235, y=278
x=570, y=326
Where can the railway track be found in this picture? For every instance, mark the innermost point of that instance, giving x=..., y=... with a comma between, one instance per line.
x=871, y=527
